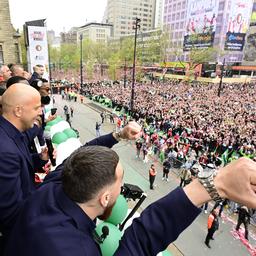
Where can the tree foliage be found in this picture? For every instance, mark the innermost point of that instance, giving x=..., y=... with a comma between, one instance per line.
x=23, y=50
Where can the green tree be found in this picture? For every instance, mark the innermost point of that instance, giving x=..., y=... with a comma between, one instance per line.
x=100, y=53
x=198, y=56
x=113, y=64
x=152, y=48
x=69, y=56
x=164, y=44
x=54, y=54
x=126, y=50
x=23, y=51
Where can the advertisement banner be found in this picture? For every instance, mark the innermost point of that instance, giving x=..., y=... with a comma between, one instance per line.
x=38, y=48
x=238, y=23
x=200, y=24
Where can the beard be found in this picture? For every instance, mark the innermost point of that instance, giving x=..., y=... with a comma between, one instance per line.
x=107, y=212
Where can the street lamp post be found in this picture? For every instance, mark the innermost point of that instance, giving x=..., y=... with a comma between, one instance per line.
x=136, y=26
x=221, y=76
x=125, y=73
x=81, y=59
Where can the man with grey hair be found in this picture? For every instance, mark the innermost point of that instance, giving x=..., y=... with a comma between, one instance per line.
x=5, y=74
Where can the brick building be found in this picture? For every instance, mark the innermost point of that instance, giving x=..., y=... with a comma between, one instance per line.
x=9, y=43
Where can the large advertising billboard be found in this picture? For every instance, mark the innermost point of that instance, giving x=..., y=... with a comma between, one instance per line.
x=38, y=48
x=238, y=23
x=200, y=24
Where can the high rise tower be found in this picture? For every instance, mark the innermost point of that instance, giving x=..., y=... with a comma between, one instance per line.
x=121, y=14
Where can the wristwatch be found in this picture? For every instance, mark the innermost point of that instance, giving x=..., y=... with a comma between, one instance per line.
x=206, y=179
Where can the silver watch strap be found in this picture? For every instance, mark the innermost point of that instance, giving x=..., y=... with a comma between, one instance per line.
x=210, y=188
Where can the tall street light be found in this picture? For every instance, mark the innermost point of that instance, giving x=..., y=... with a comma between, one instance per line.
x=125, y=73
x=221, y=76
x=81, y=59
x=136, y=26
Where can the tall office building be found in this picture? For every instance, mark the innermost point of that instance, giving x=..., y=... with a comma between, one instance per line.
x=9, y=43
x=122, y=13
x=206, y=23
x=159, y=16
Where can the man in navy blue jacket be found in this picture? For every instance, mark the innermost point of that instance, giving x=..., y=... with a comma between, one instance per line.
x=58, y=219
x=21, y=105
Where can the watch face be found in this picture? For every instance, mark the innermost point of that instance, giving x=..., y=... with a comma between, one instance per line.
x=204, y=174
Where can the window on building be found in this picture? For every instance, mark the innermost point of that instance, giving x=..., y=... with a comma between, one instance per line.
x=1, y=54
x=181, y=58
x=221, y=6
x=218, y=29
x=177, y=25
x=216, y=41
x=178, y=16
x=220, y=18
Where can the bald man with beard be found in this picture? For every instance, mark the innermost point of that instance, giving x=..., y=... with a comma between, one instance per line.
x=21, y=106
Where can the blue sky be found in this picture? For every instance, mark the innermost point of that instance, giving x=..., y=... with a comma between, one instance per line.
x=60, y=14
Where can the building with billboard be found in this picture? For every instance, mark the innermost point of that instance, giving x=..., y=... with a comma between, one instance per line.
x=250, y=46
x=237, y=25
x=208, y=23
x=200, y=24
x=121, y=14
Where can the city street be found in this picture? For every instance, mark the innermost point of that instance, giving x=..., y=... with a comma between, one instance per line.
x=191, y=242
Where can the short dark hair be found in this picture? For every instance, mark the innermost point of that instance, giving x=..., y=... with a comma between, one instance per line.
x=44, y=80
x=87, y=171
x=15, y=79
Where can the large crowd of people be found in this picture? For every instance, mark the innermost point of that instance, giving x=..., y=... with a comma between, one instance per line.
x=177, y=115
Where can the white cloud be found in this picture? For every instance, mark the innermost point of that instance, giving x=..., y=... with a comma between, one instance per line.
x=60, y=14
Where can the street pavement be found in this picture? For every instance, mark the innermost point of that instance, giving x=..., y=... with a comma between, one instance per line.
x=191, y=241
